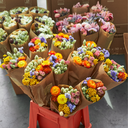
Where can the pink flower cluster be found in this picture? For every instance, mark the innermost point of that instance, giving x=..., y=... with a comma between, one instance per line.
x=106, y=15
x=10, y=65
x=78, y=5
x=87, y=16
x=75, y=97
x=97, y=8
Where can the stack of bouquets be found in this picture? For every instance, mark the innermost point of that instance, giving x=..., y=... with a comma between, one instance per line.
x=4, y=46
x=106, y=35
x=38, y=46
x=61, y=13
x=45, y=20
x=59, y=67
x=25, y=21
x=80, y=9
x=19, y=38
x=84, y=61
x=63, y=43
x=89, y=31
x=65, y=100
x=38, y=76
x=10, y=24
x=92, y=90
x=111, y=73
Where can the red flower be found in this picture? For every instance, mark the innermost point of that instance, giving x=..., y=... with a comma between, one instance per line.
x=32, y=49
x=91, y=84
x=54, y=98
x=86, y=64
x=37, y=47
x=33, y=40
x=99, y=84
x=47, y=69
x=51, y=53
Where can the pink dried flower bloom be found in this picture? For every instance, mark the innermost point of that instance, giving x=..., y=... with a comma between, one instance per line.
x=36, y=73
x=72, y=100
x=4, y=66
x=57, y=15
x=113, y=62
x=39, y=78
x=111, y=67
x=42, y=73
x=73, y=95
x=8, y=67
x=77, y=93
x=97, y=53
x=76, y=101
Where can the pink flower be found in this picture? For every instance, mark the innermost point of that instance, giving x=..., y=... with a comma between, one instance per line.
x=86, y=5
x=92, y=64
x=67, y=62
x=57, y=15
x=91, y=58
x=39, y=78
x=118, y=66
x=73, y=95
x=77, y=101
x=10, y=63
x=97, y=53
x=56, y=11
x=16, y=65
x=77, y=93
x=4, y=66
x=8, y=67
x=36, y=73
x=113, y=62
x=111, y=67
x=42, y=73
x=86, y=58
x=85, y=33
x=90, y=61
x=72, y=100
x=84, y=17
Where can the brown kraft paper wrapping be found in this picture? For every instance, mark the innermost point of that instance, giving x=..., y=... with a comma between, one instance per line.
x=91, y=37
x=105, y=39
x=4, y=48
x=63, y=17
x=54, y=106
x=78, y=73
x=108, y=82
x=41, y=91
x=65, y=52
x=27, y=26
x=37, y=14
x=25, y=45
x=43, y=54
x=79, y=10
x=61, y=78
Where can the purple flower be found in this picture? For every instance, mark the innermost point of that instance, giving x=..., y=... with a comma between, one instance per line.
x=31, y=73
x=21, y=50
x=71, y=38
x=114, y=77
x=79, y=49
x=98, y=48
x=67, y=95
x=88, y=78
x=80, y=52
x=52, y=58
x=54, y=65
x=16, y=59
x=71, y=106
x=106, y=53
x=64, y=39
x=30, y=44
x=85, y=82
x=43, y=40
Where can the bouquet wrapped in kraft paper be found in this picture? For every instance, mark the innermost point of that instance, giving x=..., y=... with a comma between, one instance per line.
x=63, y=43
x=59, y=67
x=84, y=61
x=14, y=65
x=111, y=74
x=19, y=38
x=80, y=9
x=38, y=76
x=40, y=30
x=18, y=10
x=25, y=21
x=4, y=45
x=65, y=100
x=91, y=90
x=38, y=11
x=38, y=46
x=89, y=31
x=1, y=21
x=106, y=35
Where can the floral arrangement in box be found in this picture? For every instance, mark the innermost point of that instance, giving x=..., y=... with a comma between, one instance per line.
x=4, y=13
x=58, y=64
x=18, y=10
x=39, y=10
x=67, y=99
x=36, y=71
x=15, y=60
x=63, y=41
x=114, y=70
x=61, y=12
x=92, y=89
x=78, y=5
x=42, y=30
x=89, y=28
x=45, y=20
x=3, y=35
x=18, y=37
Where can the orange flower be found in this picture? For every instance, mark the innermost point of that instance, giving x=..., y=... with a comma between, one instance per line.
x=22, y=64
x=91, y=84
x=61, y=34
x=51, y=53
x=86, y=64
x=122, y=76
x=47, y=69
x=77, y=60
x=66, y=36
x=32, y=49
x=91, y=42
x=59, y=56
x=36, y=47
x=99, y=84
x=45, y=63
x=22, y=58
x=39, y=68
x=54, y=98
x=55, y=91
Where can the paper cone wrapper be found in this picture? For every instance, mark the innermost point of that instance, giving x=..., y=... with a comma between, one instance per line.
x=78, y=73
x=80, y=10
x=43, y=54
x=4, y=48
x=84, y=101
x=37, y=14
x=105, y=39
x=100, y=23
x=25, y=45
x=108, y=82
x=10, y=29
x=54, y=105
x=32, y=34
x=61, y=78
x=14, y=15
x=27, y=26
x=1, y=26
x=49, y=42
x=62, y=17
x=92, y=37
x=65, y=53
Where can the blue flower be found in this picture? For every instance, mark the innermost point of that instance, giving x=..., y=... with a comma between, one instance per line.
x=67, y=95
x=71, y=106
x=43, y=40
x=30, y=44
x=113, y=73
x=16, y=59
x=88, y=78
x=79, y=49
x=21, y=50
x=64, y=39
x=80, y=52
x=71, y=38
x=98, y=48
x=31, y=73
x=52, y=58
x=54, y=65
x=85, y=82
x=106, y=54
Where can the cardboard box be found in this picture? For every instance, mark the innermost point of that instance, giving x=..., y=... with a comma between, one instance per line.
x=9, y=4
x=117, y=46
x=56, y=4
x=121, y=28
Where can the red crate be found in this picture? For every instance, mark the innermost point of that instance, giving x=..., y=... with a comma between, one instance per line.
x=50, y=119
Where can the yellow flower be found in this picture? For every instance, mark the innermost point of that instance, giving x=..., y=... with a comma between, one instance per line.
x=59, y=56
x=89, y=53
x=66, y=109
x=108, y=62
x=95, y=61
x=54, y=39
x=77, y=60
x=66, y=36
x=22, y=64
x=54, y=34
x=37, y=82
x=61, y=34
x=93, y=99
x=26, y=81
x=4, y=55
x=57, y=43
x=60, y=107
x=27, y=75
x=97, y=98
x=101, y=58
x=61, y=99
x=7, y=59
x=106, y=69
x=33, y=81
x=43, y=44
x=91, y=92
x=33, y=76
x=91, y=42
x=1, y=66
x=46, y=63
x=37, y=41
